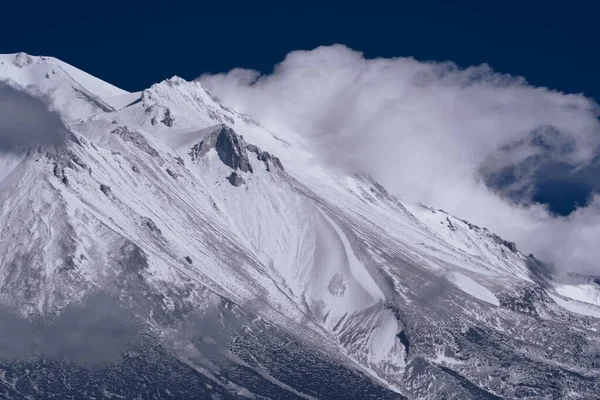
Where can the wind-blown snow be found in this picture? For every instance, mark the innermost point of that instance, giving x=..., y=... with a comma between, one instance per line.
x=71, y=91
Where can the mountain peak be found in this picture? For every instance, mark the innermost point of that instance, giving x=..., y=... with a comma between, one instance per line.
x=23, y=59
x=72, y=92
x=179, y=207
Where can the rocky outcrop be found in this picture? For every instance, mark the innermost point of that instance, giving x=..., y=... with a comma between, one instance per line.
x=106, y=190
x=512, y=246
x=168, y=119
x=59, y=172
x=230, y=147
x=23, y=60
x=233, y=150
x=172, y=173
x=150, y=225
x=450, y=224
x=135, y=138
x=265, y=157
x=236, y=179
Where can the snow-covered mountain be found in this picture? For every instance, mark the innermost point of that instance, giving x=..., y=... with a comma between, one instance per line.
x=253, y=271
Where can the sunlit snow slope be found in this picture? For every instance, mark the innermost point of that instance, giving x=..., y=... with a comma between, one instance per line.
x=318, y=284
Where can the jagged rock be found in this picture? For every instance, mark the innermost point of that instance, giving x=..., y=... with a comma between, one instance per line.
x=47, y=76
x=106, y=190
x=148, y=223
x=77, y=160
x=253, y=148
x=236, y=179
x=450, y=224
x=473, y=226
x=180, y=161
x=168, y=118
x=58, y=171
x=230, y=147
x=136, y=138
x=512, y=246
x=173, y=174
x=265, y=157
x=22, y=60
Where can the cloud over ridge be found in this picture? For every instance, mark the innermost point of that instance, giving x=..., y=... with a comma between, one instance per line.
x=471, y=141
x=27, y=120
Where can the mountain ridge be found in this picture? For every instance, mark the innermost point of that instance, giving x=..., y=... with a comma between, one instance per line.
x=409, y=301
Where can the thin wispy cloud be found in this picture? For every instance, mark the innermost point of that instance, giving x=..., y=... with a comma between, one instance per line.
x=471, y=141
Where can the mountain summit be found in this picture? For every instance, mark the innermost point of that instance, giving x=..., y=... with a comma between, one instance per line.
x=168, y=246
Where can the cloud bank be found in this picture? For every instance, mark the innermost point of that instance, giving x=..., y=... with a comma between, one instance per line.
x=471, y=141
x=95, y=332
x=26, y=121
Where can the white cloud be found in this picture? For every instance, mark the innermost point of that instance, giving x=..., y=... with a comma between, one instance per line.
x=427, y=131
x=26, y=120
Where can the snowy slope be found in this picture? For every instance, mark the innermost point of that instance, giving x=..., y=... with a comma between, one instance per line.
x=180, y=206
x=73, y=92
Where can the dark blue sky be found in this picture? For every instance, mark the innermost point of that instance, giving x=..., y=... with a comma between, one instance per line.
x=136, y=43
x=133, y=44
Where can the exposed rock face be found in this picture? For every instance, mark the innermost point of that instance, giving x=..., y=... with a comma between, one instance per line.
x=450, y=224
x=148, y=223
x=230, y=147
x=58, y=171
x=106, y=190
x=135, y=138
x=172, y=173
x=265, y=157
x=22, y=60
x=512, y=246
x=337, y=285
x=233, y=150
x=168, y=118
x=236, y=179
